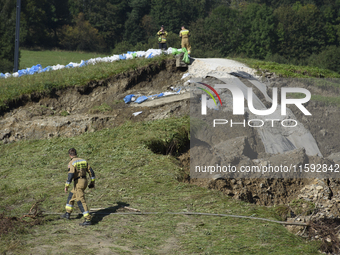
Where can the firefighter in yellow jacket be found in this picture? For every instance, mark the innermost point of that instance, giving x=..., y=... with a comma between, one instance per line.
x=78, y=168
x=185, y=34
x=162, y=34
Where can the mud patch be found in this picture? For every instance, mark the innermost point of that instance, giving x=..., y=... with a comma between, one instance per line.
x=326, y=231
x=263, y=191
x=21, y=224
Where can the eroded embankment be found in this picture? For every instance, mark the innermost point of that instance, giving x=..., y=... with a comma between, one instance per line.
x=100, y=104
x=243, y=146
x=96, y=105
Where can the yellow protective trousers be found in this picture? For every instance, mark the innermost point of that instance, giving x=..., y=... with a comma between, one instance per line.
x=77, y=194
x=186, y=44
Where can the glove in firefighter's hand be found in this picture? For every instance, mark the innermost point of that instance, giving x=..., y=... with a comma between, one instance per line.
x=91, y=185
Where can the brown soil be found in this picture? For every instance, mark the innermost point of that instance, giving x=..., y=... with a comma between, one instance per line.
x=95, y=106
x=259, y=191
x=245, y=148
x=100, y=105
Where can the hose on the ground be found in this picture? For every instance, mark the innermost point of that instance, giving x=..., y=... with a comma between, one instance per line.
x=197, y=213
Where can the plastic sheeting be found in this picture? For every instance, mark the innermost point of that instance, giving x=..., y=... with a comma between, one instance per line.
x=136, y=113
x=129, y=55
x=141, y=99
x=128, y=98
x=185, y=75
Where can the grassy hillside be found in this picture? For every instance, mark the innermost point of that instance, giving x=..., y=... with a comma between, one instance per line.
x=13, y=88
x=128, y=172
x=288, y=71
x=329, y=81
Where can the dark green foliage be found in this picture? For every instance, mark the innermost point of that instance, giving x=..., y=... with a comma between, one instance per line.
x=82, y=36
x=277, y=58
x=7, y=32
x=287, y=31
x=40, y=20
x=217, y=35
x=133, y=31
x=167, y=13
x=300, y=31
x=327, y=59
x=122, y=47
x=258, y=30
x=174, y=14
x=172, y=41
x=294, y=32
x=6, y=65
x=108, y=17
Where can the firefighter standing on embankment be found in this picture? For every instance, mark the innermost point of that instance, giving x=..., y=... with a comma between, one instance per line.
x=162, y=34
x=78, y=168
x=184, y=34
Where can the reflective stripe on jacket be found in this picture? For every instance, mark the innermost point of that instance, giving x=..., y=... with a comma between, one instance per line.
x=78, y=167
x=184, y=33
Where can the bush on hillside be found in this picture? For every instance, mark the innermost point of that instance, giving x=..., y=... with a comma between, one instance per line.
x=82, y=36
x=6, y=66
x=327, y=59
x=172, y=40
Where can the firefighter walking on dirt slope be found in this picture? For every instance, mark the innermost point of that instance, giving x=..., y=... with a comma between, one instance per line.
x=185, y=34
x=77, y=169
x=162, y=34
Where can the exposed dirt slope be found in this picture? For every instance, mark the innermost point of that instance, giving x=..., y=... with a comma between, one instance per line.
x=95, y=106
x=100, y=105
x=244, y=146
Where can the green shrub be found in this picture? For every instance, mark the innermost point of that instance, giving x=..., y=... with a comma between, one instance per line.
x=277, y=58
x=82, y=36
x=6, y=66
x=327, y=59
x=122, y=47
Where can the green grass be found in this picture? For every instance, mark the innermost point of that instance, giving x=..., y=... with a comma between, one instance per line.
x=13, y=88
x=329, y=81
x=64, y=113
x=104, y=107
x=46, y=58
x=327, y=100
x=128, y=172
x=284, y=70
x=326, y=83
x=333, y=101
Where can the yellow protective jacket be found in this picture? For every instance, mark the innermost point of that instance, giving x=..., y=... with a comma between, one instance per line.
x=78, y=168
x=162, y=36
x=184, y=33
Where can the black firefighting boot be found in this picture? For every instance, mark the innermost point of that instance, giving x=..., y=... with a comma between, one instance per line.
x=66, y=216
x=85, y=223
